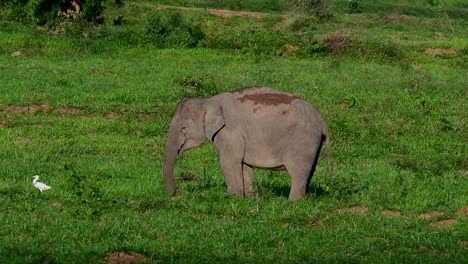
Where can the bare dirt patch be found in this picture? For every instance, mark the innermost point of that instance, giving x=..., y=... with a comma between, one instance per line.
x=92, y=115
x=464, y=243
x=24, y=140
x=398, y=19
x=374, y=238
x=430, y=214
x=317, y=224
x=355, y=209
x=111, y=115
x=445, y=223
x=31, y=109
x=217, y=12
x=438, y=51
x=422, y=248
x=391, y=212
x=56, y=204
x=3, y=123
x=17, y=54
x=124, y=258
x=143, y=117
x=68, y=111
x=462, y=212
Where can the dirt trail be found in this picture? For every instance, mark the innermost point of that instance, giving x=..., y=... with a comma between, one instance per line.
x=217, y=12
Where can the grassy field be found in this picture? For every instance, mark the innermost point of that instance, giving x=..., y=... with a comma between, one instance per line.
x=88, y=110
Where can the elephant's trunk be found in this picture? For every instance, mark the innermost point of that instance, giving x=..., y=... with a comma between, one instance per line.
x=169, y=161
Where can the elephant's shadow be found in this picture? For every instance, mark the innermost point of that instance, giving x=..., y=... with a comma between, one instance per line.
x=283, y=190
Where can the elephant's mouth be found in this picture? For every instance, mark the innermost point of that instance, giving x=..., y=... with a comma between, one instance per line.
x=181, y=148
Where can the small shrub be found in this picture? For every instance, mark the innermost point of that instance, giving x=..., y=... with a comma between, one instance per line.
x=311, y=45
x=353, y=6
x=392, y=51
x=321, y=9
x=255, y=41
x=302, y=23
x=92, y=10
x=342, y=188
x=170, y=29
x=338, y=44
x=197, y=86
x=87, y=202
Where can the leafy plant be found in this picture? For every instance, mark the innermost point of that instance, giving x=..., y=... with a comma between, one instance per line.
x=197, y=86
x=353, y=6
x=341, y=188
x=86, y=193
x=321, y=9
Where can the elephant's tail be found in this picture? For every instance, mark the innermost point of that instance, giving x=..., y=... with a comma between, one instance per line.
x=327, y=139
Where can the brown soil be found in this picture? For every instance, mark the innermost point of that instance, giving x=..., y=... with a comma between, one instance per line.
x=124, y=258
x=397, y=19
x=463, y=243
x=375, y=238
x=445, y=223
x=143, y=117
x=56, y=204
x=31, y=110
x=92, y=115
x=111, y=115
x=355, y=209
x=317, y=224
x=68, y=111
x=391, y=212
x=437, y=51
x=4, y=122
x=217, y=12
x=462, y=212
x=17, y=54
x=430, y=214
x=24, y=140
x=422, y=248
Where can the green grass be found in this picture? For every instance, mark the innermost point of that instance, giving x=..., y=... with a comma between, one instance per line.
x=398, y=127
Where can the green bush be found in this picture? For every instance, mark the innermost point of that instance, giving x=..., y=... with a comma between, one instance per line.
x=321, y=9
x=42, y=12
x=254, y=40
x=170, y=29
x=197, y=86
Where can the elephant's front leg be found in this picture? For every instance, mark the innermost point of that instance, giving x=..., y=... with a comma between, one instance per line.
x=231, y=153
x=247, y=174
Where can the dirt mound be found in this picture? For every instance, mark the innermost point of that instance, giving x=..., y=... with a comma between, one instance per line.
x=391, y=212
x=68, y=111
x=355, y=209
x=31, y=109
x=124, y=258
x=437, y=51
x=462, y=212
x=445, y=223
x=430, y=214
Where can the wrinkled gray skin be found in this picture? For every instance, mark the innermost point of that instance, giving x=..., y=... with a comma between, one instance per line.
x=253, y=127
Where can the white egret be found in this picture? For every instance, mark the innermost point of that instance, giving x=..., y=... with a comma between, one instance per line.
x=39, y=185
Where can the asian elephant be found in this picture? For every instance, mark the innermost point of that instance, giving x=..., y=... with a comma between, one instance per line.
x=252, y=127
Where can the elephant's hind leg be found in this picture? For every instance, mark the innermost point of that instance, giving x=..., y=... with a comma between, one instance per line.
x=299, y=172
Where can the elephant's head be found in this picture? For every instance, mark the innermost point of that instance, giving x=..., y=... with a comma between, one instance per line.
x=194, y=121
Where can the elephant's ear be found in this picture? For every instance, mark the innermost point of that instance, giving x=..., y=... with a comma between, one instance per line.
x=214, y=120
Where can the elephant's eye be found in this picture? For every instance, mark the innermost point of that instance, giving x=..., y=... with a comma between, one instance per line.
x=182, y=129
